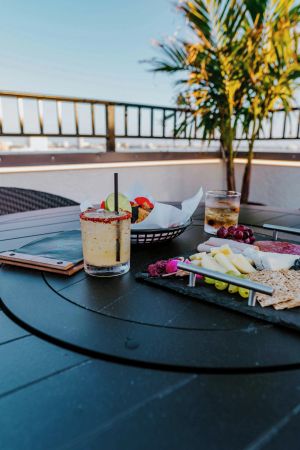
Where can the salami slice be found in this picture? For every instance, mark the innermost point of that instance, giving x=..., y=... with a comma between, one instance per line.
x=278, y=247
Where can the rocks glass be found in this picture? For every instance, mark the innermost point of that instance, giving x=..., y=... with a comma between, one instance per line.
x=105, y=242
x=221, y=209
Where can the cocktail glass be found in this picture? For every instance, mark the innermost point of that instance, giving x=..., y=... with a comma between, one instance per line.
x=105, y=242
x=221, y=209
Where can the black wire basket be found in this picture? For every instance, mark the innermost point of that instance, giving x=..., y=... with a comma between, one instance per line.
x=155, y=236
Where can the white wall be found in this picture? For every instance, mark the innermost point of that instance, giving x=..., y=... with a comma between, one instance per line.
x=275, y=185
x=167, y=182
x=271, y=184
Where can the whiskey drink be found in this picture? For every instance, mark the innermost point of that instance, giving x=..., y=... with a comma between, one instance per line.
x=221, y=209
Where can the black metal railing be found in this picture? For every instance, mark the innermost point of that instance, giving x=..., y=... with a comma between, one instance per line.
x=168, y=115
x=111, y=121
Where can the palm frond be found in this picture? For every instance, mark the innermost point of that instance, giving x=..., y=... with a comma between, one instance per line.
x=242, y=61
x=198, y=15
x=256, y=10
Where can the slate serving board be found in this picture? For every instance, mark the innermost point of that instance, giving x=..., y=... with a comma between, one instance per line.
x=60, y=253
x=209, y=294
x=63, y=245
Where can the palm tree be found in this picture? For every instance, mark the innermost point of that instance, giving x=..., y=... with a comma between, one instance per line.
x=211, y=65
x=271, y=68
x=241, y=60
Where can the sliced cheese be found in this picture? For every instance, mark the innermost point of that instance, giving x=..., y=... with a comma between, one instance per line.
x=225, y=249
x=269, y=260
x=208, y=262
x=197, y=262
x=224, y=262
x=197, y=256
x=277, y=261
x=241, y=263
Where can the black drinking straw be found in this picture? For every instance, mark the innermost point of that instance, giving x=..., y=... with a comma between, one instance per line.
x=116, y=197
x=116, y=192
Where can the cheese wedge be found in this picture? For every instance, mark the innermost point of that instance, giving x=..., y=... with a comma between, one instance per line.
x=197, y=256
x=225, y=249
x=197, y=262
x=241, y=263
x=208, y=262
x=270, y=261
x=225, y=262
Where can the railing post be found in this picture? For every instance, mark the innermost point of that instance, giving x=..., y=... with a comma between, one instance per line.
x=1, y=117
x=110, y=128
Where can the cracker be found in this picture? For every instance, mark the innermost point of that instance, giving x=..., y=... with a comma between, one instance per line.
x=288, y=305
x=286, y=284
x=277, y=297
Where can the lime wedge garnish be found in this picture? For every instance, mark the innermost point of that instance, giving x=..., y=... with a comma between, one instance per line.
x=123, y=201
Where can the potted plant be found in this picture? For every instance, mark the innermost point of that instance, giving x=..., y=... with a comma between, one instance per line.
x=212, y=84
x=271, y=68
x=235, y=68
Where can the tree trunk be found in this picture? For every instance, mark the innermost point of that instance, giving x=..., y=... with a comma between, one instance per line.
x=247, y=175
x=227, y=153
x=230, y=174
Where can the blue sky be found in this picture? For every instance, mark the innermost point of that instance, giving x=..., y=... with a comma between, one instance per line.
x=89, y=48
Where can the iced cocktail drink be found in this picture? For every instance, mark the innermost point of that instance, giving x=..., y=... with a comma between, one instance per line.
x=105, y=242
x=222, y=209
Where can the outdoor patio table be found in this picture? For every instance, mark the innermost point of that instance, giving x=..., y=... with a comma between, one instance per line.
x=92, y=363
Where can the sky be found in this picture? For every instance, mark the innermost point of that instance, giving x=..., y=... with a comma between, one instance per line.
x=90, y=48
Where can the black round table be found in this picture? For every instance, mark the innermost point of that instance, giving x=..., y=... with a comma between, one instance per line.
x=121, y=319
x=121, y=364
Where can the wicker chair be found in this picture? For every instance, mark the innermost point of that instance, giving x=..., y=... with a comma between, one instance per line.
x=13, y=200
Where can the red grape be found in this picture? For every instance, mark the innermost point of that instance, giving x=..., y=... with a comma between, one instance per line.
x=222, y=233
x=231, y=229
x=238, y=235
x=245, y=235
